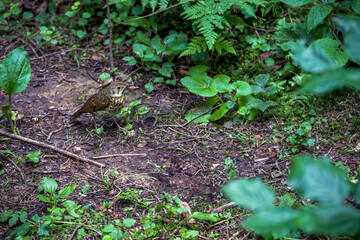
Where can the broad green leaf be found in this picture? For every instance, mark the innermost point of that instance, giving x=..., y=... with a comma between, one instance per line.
x=35, y=218
x=297, y=3
x=198, y=70
x=222, y=83
x=242, y=88
x=219, y=113
x=252, y=194
x=13, y=220
x=331, y=48
x=86, y=15
x=104, y=76
x=27, y=15
x=43, y=230
x=262, y=79
x=67, y=190
x=190, y=234
x=331, y=220
x=318, y=57
x=139, y=49
x=332, y=80
x=43, y=198
x=71, y=207
x=22, y=229
x=156, y=44
x=318, y=180
x=117, y=234
x=149, y=87
x=109, y=228
x=23, y=216
x=279, y=221
x=271, y=90
x=357, y=192
x=256, y=89
x=42, y=17
x=350, y=26
x=259, y=104
x=80, y=33
x=200, y=85
x=130, y=60
x=15, y=71
x=205, y=216
x=6, y=215
x=316, y=15
x=166, y=69
x=49, y=185
x=203, y=119
x=356, y=6
x=129, y=222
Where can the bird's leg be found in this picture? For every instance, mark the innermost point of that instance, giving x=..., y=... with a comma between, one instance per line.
x=120, y=128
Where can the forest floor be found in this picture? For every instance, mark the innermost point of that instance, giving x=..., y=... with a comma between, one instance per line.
x=159, y=153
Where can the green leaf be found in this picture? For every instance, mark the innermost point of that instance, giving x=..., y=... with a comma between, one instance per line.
x=27, y=15
x=22, y=230
x=44, y=230
x=219, y=113
x=43, y=198
x=356, y=194
x=80, y=33
x=117, y=234
x=350, y=26
x=70, y=14
x=198, y=70
x=259, y=104
x=332, y=80
x=318, y=180
x=130, y=60
x=190, y=234
x=262, y=79
x=109, y=228
x=86, y=15
x=202, y=85
x=322, y=55
x=149, y=87
x=129, y=222
x=42, y=17
x=6, y=215
x=23, y=216
x=355, y=5
x=15, y=71
x=13, y=220
x=166, y=69
x=252, y=194
x=297, y=3
x=222, y=83
x=331, y=220
x=49, y=185
x=280, y=221
x=104, y=76
x=67, y=190
x=242, y=88
x=71, y=207
x=35, y=218
x=205, y=216
x=316, y=15
x=193, y=113
x=139, y=49
x=156, y=44
x=34, y=156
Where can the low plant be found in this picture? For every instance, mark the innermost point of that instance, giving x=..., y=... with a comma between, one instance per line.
x=15, y=74
x=243, y=99
x=323, y=184
x=300, y=136
x=132, y=111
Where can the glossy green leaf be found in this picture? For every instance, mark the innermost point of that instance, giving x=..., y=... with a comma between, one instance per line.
x=49, y=185
x=205, y=216
x=331, y=220
x=318, y=180
x=316, y=15
x=43, y=198
x=297, y=3
x=219, y=113
x=322, y=55
x=129, y=222
x=242, y=88
x=166, y=69
x=15, y=71
x=332, y=80
x=139, y=49
x=200, y=85
x=252, y=194
x=34, y=156
x=222, y=83
x=71, y=207
x=67, y=190
x=350, y=26
x=157, y=45
x=276, y=220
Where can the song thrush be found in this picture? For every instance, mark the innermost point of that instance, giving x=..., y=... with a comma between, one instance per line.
x=104, y=104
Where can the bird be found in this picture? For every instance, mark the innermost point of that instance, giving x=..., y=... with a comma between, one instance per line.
x=107, y=103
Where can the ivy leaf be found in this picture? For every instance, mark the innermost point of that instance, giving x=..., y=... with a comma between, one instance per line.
x=316, y=15
x=252, y=194
x=319, y=180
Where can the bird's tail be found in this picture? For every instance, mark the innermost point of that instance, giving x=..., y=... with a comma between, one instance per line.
x=76, y=115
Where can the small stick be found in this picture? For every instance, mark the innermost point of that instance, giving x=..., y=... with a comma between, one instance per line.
x=223, y=207
x=45, y=145
x=121, y=155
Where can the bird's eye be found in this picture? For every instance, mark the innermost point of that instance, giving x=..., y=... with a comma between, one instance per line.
x=118, y=88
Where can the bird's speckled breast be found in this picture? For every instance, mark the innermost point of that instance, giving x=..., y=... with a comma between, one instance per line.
x=115, y=106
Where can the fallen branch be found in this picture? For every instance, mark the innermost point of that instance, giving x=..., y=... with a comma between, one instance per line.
x=45, y=145
x=121, y=155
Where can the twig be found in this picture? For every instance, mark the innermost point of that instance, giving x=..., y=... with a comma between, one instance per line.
x=45, y=145
x=121, y=155
x=74, y=232
x=183, y=125
x=223, y=207
x=110, y=35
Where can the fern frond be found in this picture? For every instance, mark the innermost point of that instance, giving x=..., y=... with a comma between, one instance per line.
x=224, y=45
x=197, y=44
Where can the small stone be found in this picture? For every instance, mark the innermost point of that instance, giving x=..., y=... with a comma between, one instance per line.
x=77, y=149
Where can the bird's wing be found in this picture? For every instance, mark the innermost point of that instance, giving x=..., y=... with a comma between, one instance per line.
x=99, y=102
